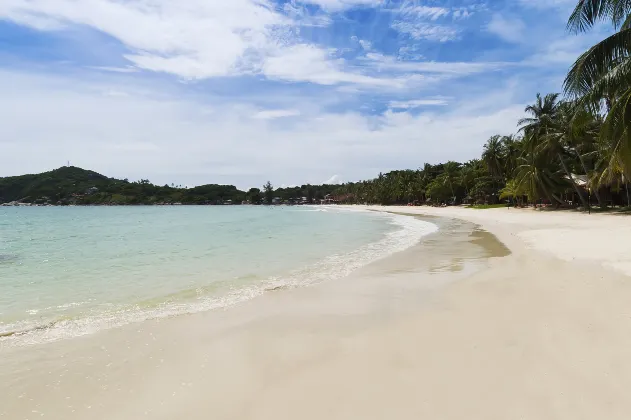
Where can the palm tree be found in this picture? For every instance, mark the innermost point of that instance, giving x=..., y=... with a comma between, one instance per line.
x=583, y=130
x=493, y=156
x=546, y=128
x=542, y=114
x=512, y=190
x=450, y=173
x=535, y=176
x=467, y=176
x=512, y=150
x=610, y=169
x=561, y=133
x=602, y=75
x=604, y=70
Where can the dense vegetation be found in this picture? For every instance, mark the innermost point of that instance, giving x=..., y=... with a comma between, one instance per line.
x=566, y=151
x=71, y=185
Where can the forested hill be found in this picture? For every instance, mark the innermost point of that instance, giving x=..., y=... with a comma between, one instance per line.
x=71, y=185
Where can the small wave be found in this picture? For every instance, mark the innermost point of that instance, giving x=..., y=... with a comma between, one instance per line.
x=408, y=232
x=13, y=333
x=277, y=288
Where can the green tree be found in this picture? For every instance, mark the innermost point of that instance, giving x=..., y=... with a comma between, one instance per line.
x=254, y=196
x=493, y=156
x=602, y=75
x=310, y=194
x=268, y=191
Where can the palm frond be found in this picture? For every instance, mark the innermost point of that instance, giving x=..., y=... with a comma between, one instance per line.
x=588, y=12
x=596, y=62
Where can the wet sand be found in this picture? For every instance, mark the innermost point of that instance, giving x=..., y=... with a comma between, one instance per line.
x=460, y=326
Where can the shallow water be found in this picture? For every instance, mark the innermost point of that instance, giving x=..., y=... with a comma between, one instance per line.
x=73, y=271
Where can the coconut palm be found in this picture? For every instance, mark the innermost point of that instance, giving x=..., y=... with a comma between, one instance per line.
x=548, y=126
x=512, y=190
x=602, y=75
x=493, y=156
x=467, y=176
x=603, y=71
x=450, y=173
x=536, y=176
x=512, y=150
x=560, y=134
x=541, y=115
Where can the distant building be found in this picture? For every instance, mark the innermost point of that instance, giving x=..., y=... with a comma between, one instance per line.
x=276, y=200
x=92, y=190
x=329, y=199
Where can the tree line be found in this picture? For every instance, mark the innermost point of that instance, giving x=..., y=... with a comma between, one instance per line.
x=71, y=185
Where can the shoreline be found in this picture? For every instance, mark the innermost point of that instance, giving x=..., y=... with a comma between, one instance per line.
x=601, y=239
x=525, y=335
x=401, y=234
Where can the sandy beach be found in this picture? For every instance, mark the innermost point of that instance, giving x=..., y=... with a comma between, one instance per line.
x=501, y=314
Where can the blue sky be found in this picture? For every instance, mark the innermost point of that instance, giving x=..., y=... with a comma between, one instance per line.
x=241, y=91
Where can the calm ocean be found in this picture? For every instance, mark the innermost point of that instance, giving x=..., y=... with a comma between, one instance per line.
x=72, y=271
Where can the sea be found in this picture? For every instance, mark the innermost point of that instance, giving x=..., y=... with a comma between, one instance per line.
x=71, y=271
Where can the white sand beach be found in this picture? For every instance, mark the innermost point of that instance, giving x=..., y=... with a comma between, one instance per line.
x=439, y=331
x=599, y=238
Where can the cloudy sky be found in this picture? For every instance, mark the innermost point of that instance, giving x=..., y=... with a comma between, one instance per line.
x=294, y=91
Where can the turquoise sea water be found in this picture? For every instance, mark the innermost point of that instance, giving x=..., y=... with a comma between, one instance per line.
x=75, y=270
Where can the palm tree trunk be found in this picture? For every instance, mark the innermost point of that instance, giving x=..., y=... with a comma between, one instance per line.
x=560, y=201
x=600, y=201
x=569, y=174
x=550, y=197
x=451, y=187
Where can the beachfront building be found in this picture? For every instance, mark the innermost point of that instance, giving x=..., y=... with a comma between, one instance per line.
x=329, y=199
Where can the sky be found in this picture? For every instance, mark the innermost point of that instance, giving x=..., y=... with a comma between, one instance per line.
x=239, y=92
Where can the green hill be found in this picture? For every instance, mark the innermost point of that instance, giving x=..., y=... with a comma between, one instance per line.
x=72, y=185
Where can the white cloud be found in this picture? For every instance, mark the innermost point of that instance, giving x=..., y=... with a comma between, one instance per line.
x=192, y=39
x=410, y=52
x=336, y=5
x=308, y=63
x=276, y=113
x=200, y=39
x=509, y=29
x=334, y=180
x=366, y=45
x=548, y=4
x=115, y=93
x=419, y=12
x=418, y=22
x=416, y=103
x=424, y=30
x=305, y=17
x=461, y=14
x=453, y=68
x=169, y=140
x=114, y=69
